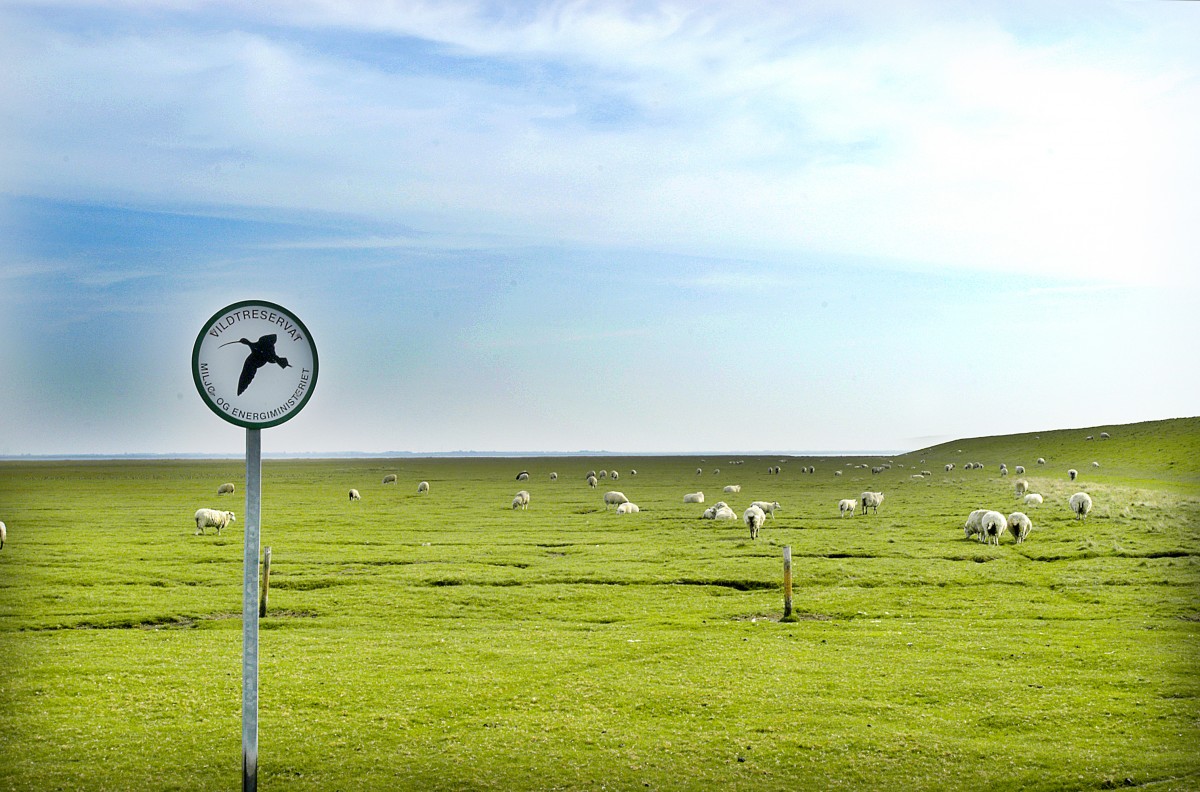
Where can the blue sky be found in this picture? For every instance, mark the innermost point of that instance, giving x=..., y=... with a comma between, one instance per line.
x=639, y=227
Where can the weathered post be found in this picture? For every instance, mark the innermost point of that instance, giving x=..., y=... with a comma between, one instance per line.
x=787, y=581
x=266, y=583
x=254, y=365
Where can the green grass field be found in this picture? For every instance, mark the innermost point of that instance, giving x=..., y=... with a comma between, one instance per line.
x=446, y=642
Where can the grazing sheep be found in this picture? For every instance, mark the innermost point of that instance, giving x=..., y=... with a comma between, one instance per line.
x=949, y=467
x=225, y=489
x=521, y=501
x=591, y=474
x=628, y=508
x=847, y=506
x=1021, y=488
x=770, y=471
x=523, y=475
x=423, y=487
x=974, y=524
x=1020, y=470
x=754, y=518
x=1019, y=526
x=837, y=472
x=1003, y=471
x=1041, y=460
x=354, y=495
x=592, y=482
x=917, y=476
x=633, y=472
x=876, y=470
x=1104, y=435
x=615, y=475
x=723, y=512
x=1072, y=473
x=1033, y=499
x=211, y=518
x=716, y=471
x=709, y=513
x=1089, y=437
x=778, y=470
x=732, y=489
x=603, y=474
x=1081, y=504
x=553, y=476
x=1095, y=464
x=871, y=500
x=768, y=507
x=1003, y=466
x=614, y=498
x=390, y=478
x=994, y=524
x=699, y=471
x=694, y=497
x=3, y=535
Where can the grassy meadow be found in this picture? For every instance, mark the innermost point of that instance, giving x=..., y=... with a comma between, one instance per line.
x=446, y=642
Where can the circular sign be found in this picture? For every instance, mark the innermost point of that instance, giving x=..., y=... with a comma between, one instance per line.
x=254, y=364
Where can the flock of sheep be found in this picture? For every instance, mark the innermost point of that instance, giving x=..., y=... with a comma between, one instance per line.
x=986, y=524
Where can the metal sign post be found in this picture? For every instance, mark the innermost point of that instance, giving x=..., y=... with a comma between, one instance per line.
x=254, y=365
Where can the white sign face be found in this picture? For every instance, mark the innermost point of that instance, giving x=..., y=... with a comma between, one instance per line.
x=254, y=364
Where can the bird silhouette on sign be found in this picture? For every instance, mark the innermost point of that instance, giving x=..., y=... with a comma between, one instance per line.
x=262, y=352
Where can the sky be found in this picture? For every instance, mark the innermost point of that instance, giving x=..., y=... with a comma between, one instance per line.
x=639, y=227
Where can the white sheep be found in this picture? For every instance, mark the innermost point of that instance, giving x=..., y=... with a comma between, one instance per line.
x=591, y=481
x=1104, y=435
x=1072, y=473
x=1019, y=526
x=949, y=467
x=709, y=514
x=423, y=487
x=553, y=476
x=837, y=472
x=603, y=474
x=3, y=535
x=733, y=489
x=694, y=497
x=1095, y=464
x=994, y=524
x=226, y=489
x=847, y=506
x=1033, y=499
x=523, y=475
x=633, y=472
x=615, y=475
x=390, y=478
x=769, y=507
x=1041, y=460
x=723, y=512
x=1022, y=486
x=871, y=500
x=754, y=518
x=974, y=524
x=1020, y=470
x=1081, y=504
x=699, y=471
x=628, y=508
x=1003, y=471
x=521, y=501
x=354, y=495
x=211, y=518
x=614, y=498
x=716, y=471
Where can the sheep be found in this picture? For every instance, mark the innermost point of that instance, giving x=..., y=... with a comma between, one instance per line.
x=354, y=495
x=1022, y=486
x=949, y=467
x=1072, y=473
x=603, y=474
x=591, y=474
x=423, y=487
x=1089, y=437
x=553, y=476
x=3, y=535
x=628, y=508
x=699, y=471
x=211, y=518
x=1081, y=504
x=1095, y=464
x=225, y=489
x=716, y=471
x=994, y=524
x=1020, y=470
x=876, y=470
x=837, y=472
x=754, y=518
x=812, y=469
x=1019, y=526
x=1104, y=435
x=1041, y=460
x=770, y=471
x=974, y=524
x=521, y=501
x=632, y=472
x=694, y=497
x=723, y=512
x=1033, y=499
x=733, y=489
x=523, y=475
x=615, y=475
x=871, y=500
x=614, y=498
x=709, y=514
x=768, y=507
x=1003, y=471
x=847, y=506
x=390, y=478
x=591, y=482
x=927, y=473
x=778, y=470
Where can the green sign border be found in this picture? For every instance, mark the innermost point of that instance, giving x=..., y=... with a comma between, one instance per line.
x=312, y=385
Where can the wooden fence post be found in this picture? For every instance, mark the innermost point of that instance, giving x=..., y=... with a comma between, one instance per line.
x=266, y=583
x=787, y=581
